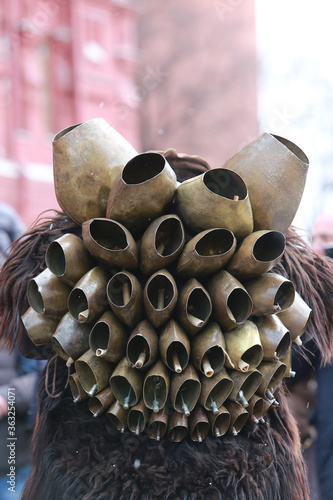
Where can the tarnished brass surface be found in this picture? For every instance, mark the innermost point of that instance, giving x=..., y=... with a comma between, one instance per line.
x=108, y=335
x=93, y=372
x=274, y=170
x=48, y=295
x=270, y=293
x=238, y=416
x=172, y=340
x=137, y=418
x=244, y=347
x=215, y=390
x=232, y=305
x=248, y=383
x=216, y=199
x=198, y=424
x=142, y=193
x=194, y=307
x=68, y=259
x=117, y=416
x=144, y=340
x=126, y=383
x=73, y=345
x=160, y=297
x=256, y=407
x=208, y=342
x=257, y=254
x=206, y=253
x=110, y=243
x=287, y=360
x=178, y=427
x=125, y=297
x=78, y=393
x=156, y=387
x=161, y=243
x=87, y=158
x=88, y=298
x=219, y=421
x=185, y=390
x=274, y=336
x=296, y=318
x=101, y=402
x=158, y=424
x=272, y=375
x=39, y=327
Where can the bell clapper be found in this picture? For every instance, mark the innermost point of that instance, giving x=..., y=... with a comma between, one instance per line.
x=83, y=315
x=292, y=374
x=217, y=432
x=158, y=432
x=207, y=367
x=184, y=406
x=172, y=436
x=233, y=431
x=69, y=362
x=127, y=399
x=199, y=436
x=77, y=399
x=241, y=399
x=137, y=429
x=236, y=197
x=141, y=358
x=213, y=405
x=269, y=395
x=175, y=361
x=93, y=390
x=194, y=320
x=156, y=406
x=276, y=357
x=100, y=352
x=126, y=293
x=160, y=299
x=255, y=420
x=244, y=367
x=277, y=308
x=262, y=420
x=298, y=341
x=122, y=430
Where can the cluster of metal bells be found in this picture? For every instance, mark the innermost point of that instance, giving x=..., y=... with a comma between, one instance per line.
x=167, y=307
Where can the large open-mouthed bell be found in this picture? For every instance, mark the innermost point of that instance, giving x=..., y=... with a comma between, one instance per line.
x=245, y=385
x=174, y=347
x=158, y=424
x=117, y=416
x=217, y=198
x=70, y=346
x=274, y=170
x=194, y=307
x=178, y=427
x=125, y=297
x=238, y=416
x=137, y=418
x=160, y=297
x=101, y=402
x=232, y=305
x=39, y=327
x=78, y=393
x=272, y=375
x=126, y=383
x=156, y=387
x=48, y=295
x=215, y=390
x=108, y=338
x=244, y=347
x=110, y=243
x=68, y=259
x=142, y=345
x=257, y=254
x=296, y=318
x=274, y=336
x=257, y=408
x=142, y=193
x=219, y=421
x=198, y=424
x=208, y=350
x=270, y=293
x=94, y=372
x=185, y=390
x=161, y=243
x=206, y=253
x=87, y=299
x=87, y=158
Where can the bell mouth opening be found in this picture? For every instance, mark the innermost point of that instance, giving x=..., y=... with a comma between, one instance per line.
x=251, y=384
x=136, y=420
x=240, y=305
x=169, y=237
x=115, y=290
x=177, y=433
x=225, y=183
x=95, y=406
x=258, y=409
x=293, y=149
x=108, y=234
x=142, y=168
x=222, y=423
x=189, y=392
x=77, y=303
x=202, y=429
x=215, y=357
x=277, y=378
x=150, y=392
x=219, y=393
x=269, y=247
x=122, y=389
x=55, y=259
x=86, y=376
x=66, y=131
x=35, y=298
x=99, y=336
x=116, y=422
x=240, y=421
x=59, y=349
x=253, y=356
x=199, y=306
x=137, y=345
x=283, y=345
x=156, y=428
x=215, y=243
x=182, y=354
x=285, y=295
x=160, y=282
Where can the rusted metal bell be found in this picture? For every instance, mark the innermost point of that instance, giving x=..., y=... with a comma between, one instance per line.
x=94, y=373
x=101, y=402
x=287, y=360
x=145, y=188
x=78, y=393
x=215, y=390
x=161, y=243
x=108, y=338
x=256, y=408
x=185, y=390
x=126, y=383
x=214, y=199
x=244, y=347
x=125, y=297
x=219, y=421
x=206, y=253
x=238, y=417
x=270, y=293
x=296, y=318
x=156, y=387
x=137, y=418
x=257, y=254
x=178, y=427
x=174, y=347
x=245, y=385
x=39, y=327
x=160, y=297
x=117, y=416
x=198, y=424
x=157, y=425
x=142, y=345
x=274, y=170
x=272, y=375
x=68, y=259
x=232, y=305
x=88, y=298
x=208, y=350
x=194, y=306
x=274, y=336
x=110, y=243
x=87, y=158
x=71, y=339
x=48, y=295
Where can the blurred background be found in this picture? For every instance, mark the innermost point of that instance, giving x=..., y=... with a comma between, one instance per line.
x=203, y=77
